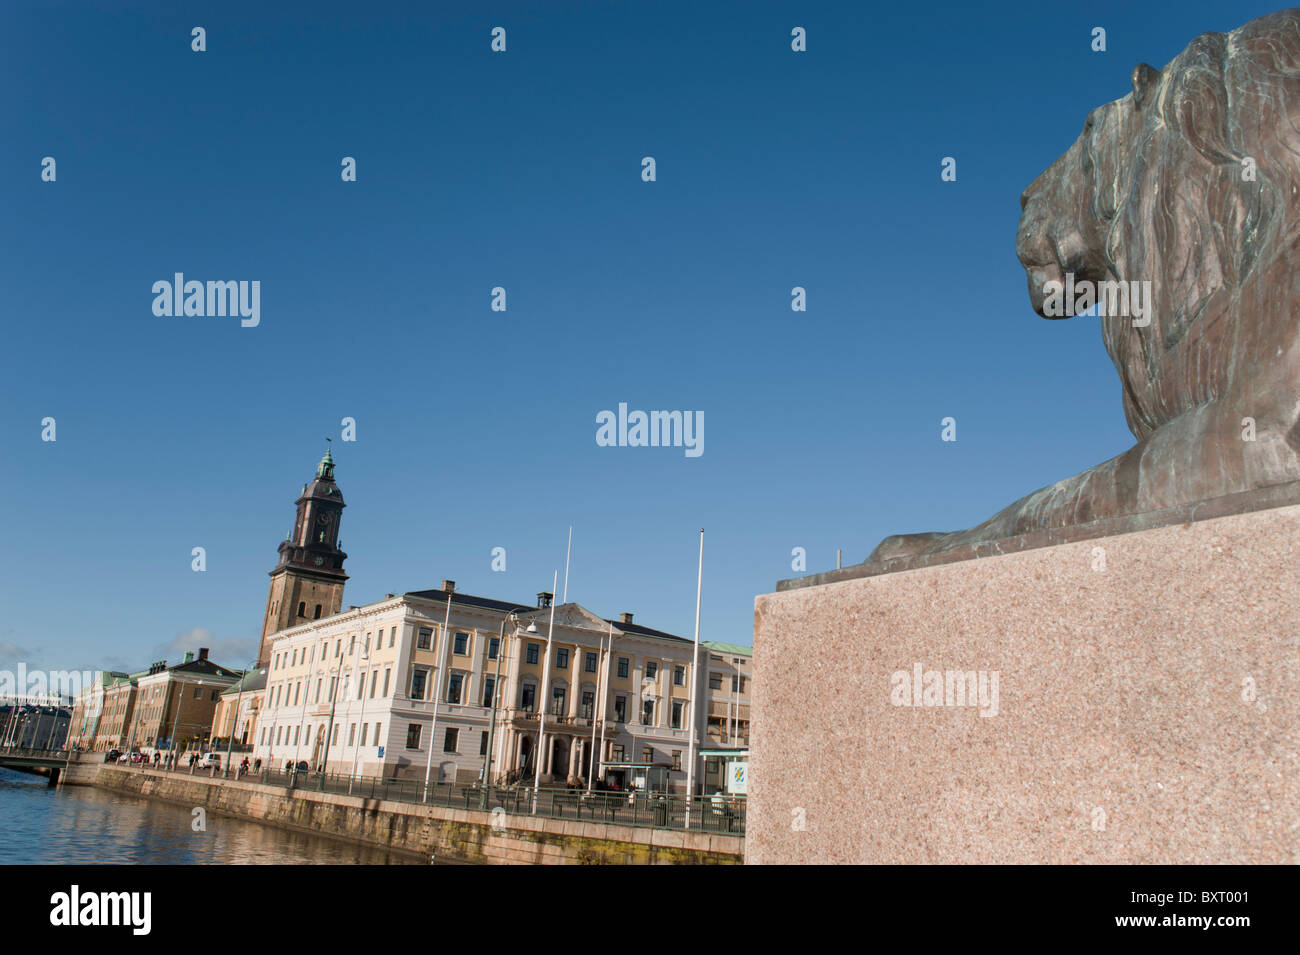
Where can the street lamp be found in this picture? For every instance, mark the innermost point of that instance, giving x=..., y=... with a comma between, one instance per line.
x=546, y=686
x=176, y=724
x=486, y=778
x=234, y=720
x=339, y=683
x=364, y=655
x=602, y=686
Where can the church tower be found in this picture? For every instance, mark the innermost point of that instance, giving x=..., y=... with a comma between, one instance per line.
x=307, y=584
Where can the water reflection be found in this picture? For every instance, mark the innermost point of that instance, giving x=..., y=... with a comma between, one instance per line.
x=83, y=825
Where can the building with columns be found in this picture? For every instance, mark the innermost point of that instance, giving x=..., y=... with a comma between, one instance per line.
x=376, y=674
x=450, y=686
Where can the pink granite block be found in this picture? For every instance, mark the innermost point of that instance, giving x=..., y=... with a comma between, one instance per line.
x=1147, y=707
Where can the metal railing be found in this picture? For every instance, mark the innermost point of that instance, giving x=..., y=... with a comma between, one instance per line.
x=718, y=813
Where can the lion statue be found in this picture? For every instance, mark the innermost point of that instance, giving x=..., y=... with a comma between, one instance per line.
x=1189, y=186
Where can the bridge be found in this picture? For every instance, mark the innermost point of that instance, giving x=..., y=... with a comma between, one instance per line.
x=49, y=762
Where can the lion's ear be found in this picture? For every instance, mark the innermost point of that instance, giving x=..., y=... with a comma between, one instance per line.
x=1145, y=79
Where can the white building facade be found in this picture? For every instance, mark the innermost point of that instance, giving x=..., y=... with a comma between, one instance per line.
x=404, y=687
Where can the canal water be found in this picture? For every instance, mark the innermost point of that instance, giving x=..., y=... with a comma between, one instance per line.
x=84, y=825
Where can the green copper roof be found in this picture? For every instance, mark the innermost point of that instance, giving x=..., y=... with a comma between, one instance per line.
x=326, y=467
x=735, y=648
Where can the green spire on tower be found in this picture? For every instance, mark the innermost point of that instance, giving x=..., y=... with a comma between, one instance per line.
x=326, y=467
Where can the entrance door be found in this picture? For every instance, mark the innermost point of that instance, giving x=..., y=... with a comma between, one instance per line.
x=560, y=761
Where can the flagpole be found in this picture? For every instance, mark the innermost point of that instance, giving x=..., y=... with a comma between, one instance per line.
x=546, y=681
x=695, y=682
x=597, y=709
x=437, y=696
x=566, y=566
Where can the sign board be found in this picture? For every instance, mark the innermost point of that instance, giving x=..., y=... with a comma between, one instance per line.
x=737, y=777
x=381, y=752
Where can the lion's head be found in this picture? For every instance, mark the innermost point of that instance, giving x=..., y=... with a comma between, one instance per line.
x=1189, y=183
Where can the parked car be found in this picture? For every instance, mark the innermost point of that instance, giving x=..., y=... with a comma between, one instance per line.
x=210, y=760
x=112, y=755
x=124, y=758
x=138, y=757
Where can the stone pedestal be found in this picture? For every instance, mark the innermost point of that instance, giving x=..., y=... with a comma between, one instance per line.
x=1147, y=705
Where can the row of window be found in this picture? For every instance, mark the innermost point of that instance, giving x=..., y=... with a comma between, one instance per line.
x=296, y=655
x=289, y=735
x=290, y=693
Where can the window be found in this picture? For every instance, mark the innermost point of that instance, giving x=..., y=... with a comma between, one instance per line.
x=460, y=644
x=450, y=740
x=737, y=683
x=413, y=735
x=482, y=744
x=648, y=754
x=388, y=671
x=277, y=735
x=715, y=681
x=214, y=696
x=494, y=647
x=651, y=669
x=418, y=679
x=302, y=608
x=198, y=692
x=528, y=697
x=489, y=689
x=647, y=712
x=334, y=735
x=454, y=687
x=294, y=659
x=297, y=688
x=562, y=658
x=532, y=655
x=677, y=759
x=679, y=676
x=678, y=707
x=318, y=683
x=424, y=640
x=392, y=636
x=589, y=662
x=616, y=753
x=623, y=664
x=620, y=708
x=364, y=728
x=361, y=685
x=352, y=734
x=374, y=683
x=317, y=617
x=377, y=725
x=558, y=695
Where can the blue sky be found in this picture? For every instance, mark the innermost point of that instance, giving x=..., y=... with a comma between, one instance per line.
x=476, y=429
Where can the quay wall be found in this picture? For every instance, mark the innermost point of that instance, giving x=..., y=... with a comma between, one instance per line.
x=441, y=832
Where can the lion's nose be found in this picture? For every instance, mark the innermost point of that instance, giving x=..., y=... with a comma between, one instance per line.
x=1024, y=200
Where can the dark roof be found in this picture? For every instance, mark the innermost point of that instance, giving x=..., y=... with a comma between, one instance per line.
x=204, y=666
x=469, y=600
x=646, y=631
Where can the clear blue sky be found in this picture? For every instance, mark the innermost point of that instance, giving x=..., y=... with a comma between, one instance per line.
x=477, y=429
